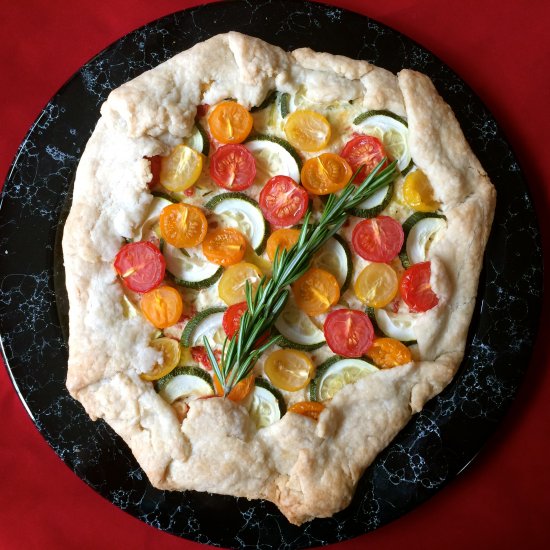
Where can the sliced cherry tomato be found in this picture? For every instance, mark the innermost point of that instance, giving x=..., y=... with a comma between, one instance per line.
x=232, y=318
x=224, y=246
x=181, y=168
x=311, y=409
x=281, y=239
x=348, y=332
x=230, y=122
x=200, y=356
x=239, y=392
x=140, y=265
x=232, y=285
x=183, y=225
x=388, y=352
x=283, y=201
x=366, y=151
x=289, y=369
x=376, y=285
x=231, y=322
x=378, y=239
x=418, y=192
x=155, y=171
x=325, y=174
x=233, y=167
x=202, y=110
x=316, y=291
x=416, y=290
x=307, y=130
x=170, y=350
x=162, y=306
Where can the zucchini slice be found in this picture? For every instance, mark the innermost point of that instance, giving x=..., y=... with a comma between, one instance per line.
x=297, y=329
x=269, y=99
x=184, y=383
x=372, y=206
x=398, y=325
x=284, y=104
x=198, y=140
x=151, y=222
x=243, y=213
x=267, y=405
x=335, y=257
x=421, y=230
x=274, y=157
x=335, y=373
x=392, y=131
x=206, y=323
x=189, y=268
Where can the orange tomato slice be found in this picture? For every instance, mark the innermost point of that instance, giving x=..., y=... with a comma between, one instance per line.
x=183, y=225
x=376, y=285
x=316, y=291
x=289, y=369
x=162, y=306
x=230, y=122
x=282, y=239
x=225, y=246
x=418, y=192
x=238, y=392
x=325, y=174
x=307, y=130
x=311, y=409
x=388, y=352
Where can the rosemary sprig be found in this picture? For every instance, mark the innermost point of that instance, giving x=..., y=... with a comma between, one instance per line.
x=239, y=353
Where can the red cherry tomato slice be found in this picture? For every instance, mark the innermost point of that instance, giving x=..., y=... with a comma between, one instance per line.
x=155, y=171
x=231, y=322
x=283, y=201
x=232, y=318
x=233, y=167
x=363, y=150
x=416, y=290
x=348, y=332
x=200, y=355
x=378, y=239
x=141, y=266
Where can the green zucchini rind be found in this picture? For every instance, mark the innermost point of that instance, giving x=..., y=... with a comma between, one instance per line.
x=187, y=334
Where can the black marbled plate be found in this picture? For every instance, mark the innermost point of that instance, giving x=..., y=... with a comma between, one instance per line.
x=437, y=443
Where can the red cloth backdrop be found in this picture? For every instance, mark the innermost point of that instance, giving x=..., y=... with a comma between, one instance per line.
x=501, y=49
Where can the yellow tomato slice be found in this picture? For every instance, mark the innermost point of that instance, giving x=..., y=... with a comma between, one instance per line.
x=316, y=291
x=376, y=285
x=230, y=122
x=418, y=192
x=311, y=409
x=388, y=352
x=239, y=392
x=282, y=239
x=307, y=130
x=225, y=246
x=325, y=174
x=183, y=225
x=289, y=369
x=162, y=306
x=181, y=168
x=170, y=350
x=231, y=287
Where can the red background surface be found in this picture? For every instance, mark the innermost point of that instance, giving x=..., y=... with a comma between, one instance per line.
x=501, y=49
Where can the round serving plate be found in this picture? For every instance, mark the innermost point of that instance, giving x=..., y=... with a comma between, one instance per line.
x=436, y=444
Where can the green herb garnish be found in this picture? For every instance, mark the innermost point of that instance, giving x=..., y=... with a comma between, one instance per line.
x=239, y=353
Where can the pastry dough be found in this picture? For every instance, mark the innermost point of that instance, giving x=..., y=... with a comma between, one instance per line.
x=308, y=469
